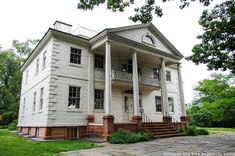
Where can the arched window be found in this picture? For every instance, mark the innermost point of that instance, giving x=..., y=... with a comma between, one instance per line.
x=149, y=39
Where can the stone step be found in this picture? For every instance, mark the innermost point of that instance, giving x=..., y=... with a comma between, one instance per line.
x=165, y=132
x=163, y=127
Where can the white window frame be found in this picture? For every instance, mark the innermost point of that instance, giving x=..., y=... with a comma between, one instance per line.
x=99, y=61
x=41, y=98
x=34, y=101
x=99, y=99
x=26, y=76
x=168, y=76
x=75, y=52
x=44, y=60
x=37, y=66
x=171, y=103
x=160, y=103
x=76, y=97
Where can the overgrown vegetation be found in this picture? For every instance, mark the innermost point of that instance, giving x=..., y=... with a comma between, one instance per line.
x=125, y=137
x=13, y=145
x=10, y=79
x=214, y=102
x=193, y=131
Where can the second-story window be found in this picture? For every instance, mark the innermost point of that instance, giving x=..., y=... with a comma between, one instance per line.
x=99, y=61
x=168, y=76
x=37, y=66
x=75, y=55
x=156, y=73
x=158, y=104
x=44, y=59
x=74, y=97
x=26, y=77
x=171, y=104
x=99, y=99
x=41, y=98
x=34, y=101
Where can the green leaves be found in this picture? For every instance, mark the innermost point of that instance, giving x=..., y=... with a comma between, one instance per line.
x=217, y=47
x=214, y=103
x=143, y=13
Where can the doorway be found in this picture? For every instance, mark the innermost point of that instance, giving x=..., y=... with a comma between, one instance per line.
x=128, y=108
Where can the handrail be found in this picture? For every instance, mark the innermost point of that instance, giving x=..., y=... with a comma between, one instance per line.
x=146, y=120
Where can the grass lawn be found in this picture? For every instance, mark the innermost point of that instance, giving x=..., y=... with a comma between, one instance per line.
x=214, y=130
x=14, y=145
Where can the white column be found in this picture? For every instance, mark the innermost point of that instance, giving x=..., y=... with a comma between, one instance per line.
x=108, y=85
x=91, y=84
x=164, y=89
x=135, y=84
x=181, y=90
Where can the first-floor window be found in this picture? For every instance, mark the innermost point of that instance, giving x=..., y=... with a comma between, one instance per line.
x=34, y=101
x=171, y=104
x=99, y=99
x=158, y=104
x=24, y=102
x=41, y=98
x=74, y=97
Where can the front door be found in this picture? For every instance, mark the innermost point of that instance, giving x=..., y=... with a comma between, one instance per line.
x=128, y=108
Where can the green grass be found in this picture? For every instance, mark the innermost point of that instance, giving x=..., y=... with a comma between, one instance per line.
x=215, y=130
x=14, y=145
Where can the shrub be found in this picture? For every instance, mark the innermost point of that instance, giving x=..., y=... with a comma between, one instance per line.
x=122, y=136
x=12, y=126
x=193, y=131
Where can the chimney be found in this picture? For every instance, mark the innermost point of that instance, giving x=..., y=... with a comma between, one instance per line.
x=62, y=26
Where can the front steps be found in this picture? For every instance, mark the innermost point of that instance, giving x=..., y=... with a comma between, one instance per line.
x=162, y=130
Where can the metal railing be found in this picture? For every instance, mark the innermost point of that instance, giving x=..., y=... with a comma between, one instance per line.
x=146, y=120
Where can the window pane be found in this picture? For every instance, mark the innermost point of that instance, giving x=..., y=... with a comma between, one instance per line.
x=75, y=56
x=74, y=97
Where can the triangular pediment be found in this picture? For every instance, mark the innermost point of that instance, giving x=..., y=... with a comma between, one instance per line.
x=148, y=35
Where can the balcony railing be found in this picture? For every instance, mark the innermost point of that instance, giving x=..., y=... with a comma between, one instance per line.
x=128, y=77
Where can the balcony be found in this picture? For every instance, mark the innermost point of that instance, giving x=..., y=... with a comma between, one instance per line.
x=121, y=76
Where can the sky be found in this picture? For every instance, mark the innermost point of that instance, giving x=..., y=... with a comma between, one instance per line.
x=30, y=19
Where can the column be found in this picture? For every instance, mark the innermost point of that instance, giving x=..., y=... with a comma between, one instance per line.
x=135, y=84
x=90, y=107
x=165, y=110
x=108, y=85
x=181, y=91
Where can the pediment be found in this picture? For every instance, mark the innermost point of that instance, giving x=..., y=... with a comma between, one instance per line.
x=149, y=35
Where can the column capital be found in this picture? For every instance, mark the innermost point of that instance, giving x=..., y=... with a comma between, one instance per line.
x=108, y=41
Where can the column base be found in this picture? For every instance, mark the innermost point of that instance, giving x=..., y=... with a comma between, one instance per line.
x=167, y=119
x=90, y=119
x=138, y=120
x=184, y=119
x=108, y=126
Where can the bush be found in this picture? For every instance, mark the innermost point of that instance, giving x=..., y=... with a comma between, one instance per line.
x=124, y=137
x=193, y=131
x=12, y=126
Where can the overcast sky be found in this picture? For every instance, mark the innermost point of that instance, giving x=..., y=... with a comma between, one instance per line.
x=30, y=19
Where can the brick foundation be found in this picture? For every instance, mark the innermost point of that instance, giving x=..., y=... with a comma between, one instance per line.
x=167, y=119
x=184, y=119
x=108, y=126
x=138, y=121
x=90, y=118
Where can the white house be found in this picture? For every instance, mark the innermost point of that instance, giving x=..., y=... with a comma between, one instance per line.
x=71, y=82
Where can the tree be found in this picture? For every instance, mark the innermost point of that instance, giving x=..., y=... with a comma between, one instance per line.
x=217, y=47
x=144, y=14
x=10, y=78
x=214, y=103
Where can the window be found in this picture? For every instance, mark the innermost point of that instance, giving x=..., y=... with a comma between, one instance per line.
x=75, y=56
x=99, y=99
x=26, y=77
x=44, y=59
x=23, y=109
x=140, y=103
x=41, y=98
x=168, y=76
x=74, y=97
x=37, y=66
x=99, y=61
x=126, y=105
x=34, y=101
x=158, y=104
x=156, y=73
x=171, y=104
